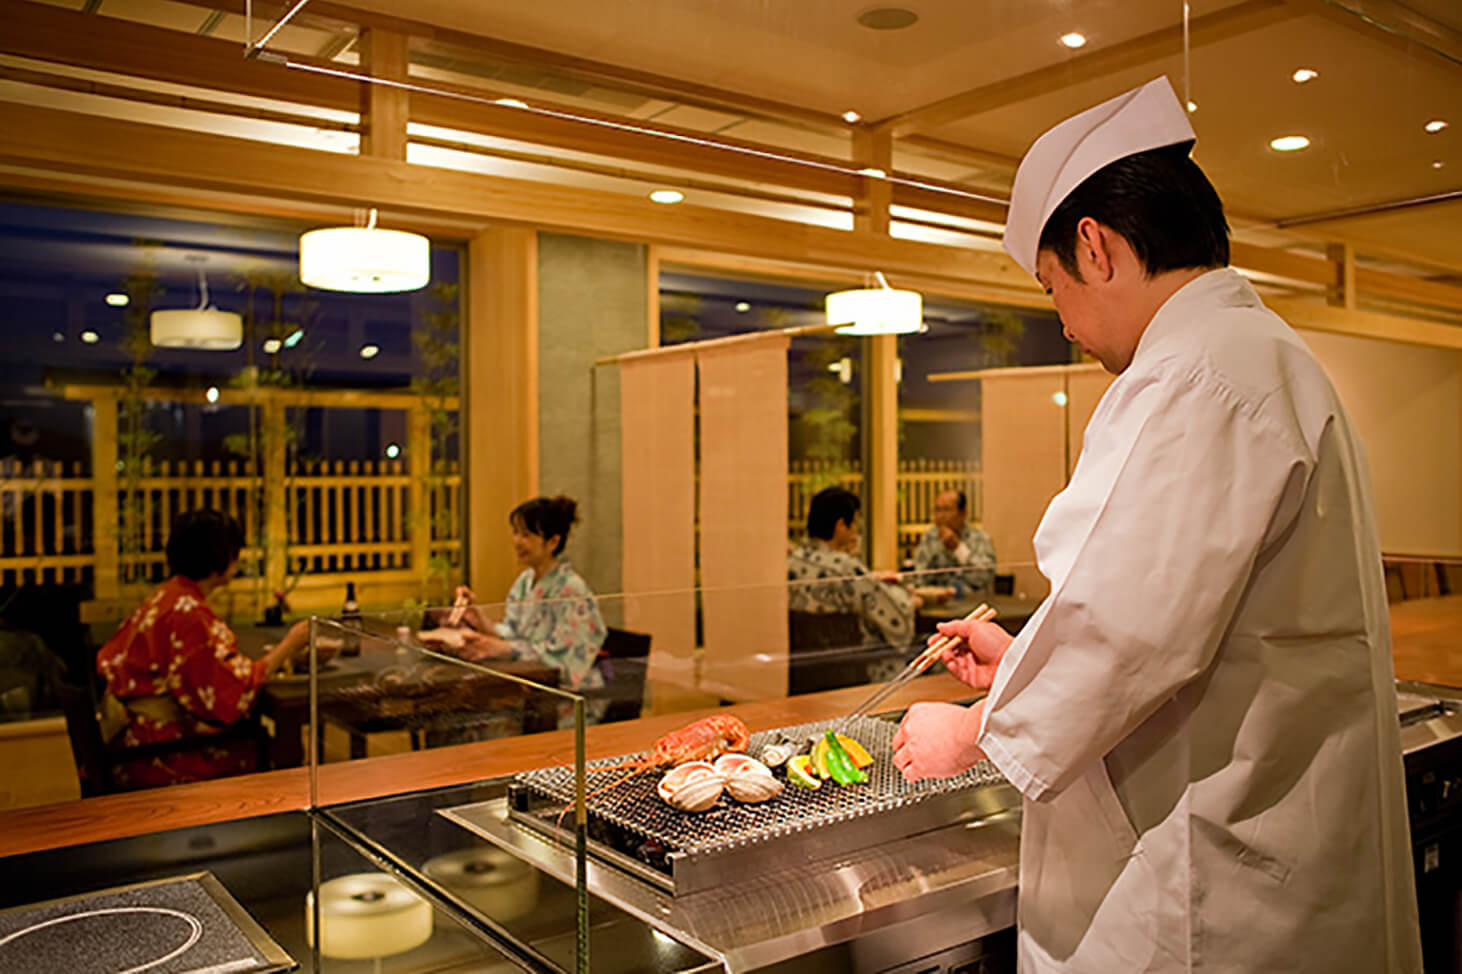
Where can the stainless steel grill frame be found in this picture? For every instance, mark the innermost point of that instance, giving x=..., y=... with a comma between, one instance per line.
x=685, y=851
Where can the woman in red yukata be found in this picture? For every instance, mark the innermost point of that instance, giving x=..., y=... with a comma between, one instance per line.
x=175, y=669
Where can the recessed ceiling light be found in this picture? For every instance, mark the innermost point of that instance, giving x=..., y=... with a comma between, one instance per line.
x=1192, y=107
x=370, y=351
x=1060, y=398
x=1437, y=164
x=90, y=337
x=272, y=346
x=1073, y=40
x=888, y=18
x=872, y=173
x=510, y=103
x=392, y=451
x=118, y=300
x=212, y=394
x=1304, y=74
x=1289, y=143
x=852, y=117
x=667, y=196
x=1435, y=125
x=742, y=307
x=57, y=337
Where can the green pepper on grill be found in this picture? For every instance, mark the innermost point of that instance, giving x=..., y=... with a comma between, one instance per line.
x=840, y=766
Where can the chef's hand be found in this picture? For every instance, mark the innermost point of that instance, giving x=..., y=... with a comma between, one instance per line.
x=937, y=740
x=977, y=655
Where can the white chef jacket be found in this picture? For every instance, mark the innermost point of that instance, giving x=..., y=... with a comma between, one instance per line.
x=1202, y=714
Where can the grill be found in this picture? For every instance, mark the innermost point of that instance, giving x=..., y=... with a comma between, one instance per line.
x=684, y=851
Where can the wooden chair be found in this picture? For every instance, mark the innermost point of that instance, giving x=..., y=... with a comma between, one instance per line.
x=96, y=763
x=624, y=659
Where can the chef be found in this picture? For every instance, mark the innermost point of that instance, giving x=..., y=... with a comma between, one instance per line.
x=1201, y=716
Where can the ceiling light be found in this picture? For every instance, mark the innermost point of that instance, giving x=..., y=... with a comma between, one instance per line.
x=272, y=346
x=742, y=307
x=880, y=310
x=57, y=337
x=1305, y=74
x=1289, y=143
x=872, y=173
x=90, y=337
x=1435, y=125
x=369, y=351
x=1437, y=164
x=364, y=259
x=1060, y=398
x=212, y=394
x=510, y=103
x=294, y=338
x=1073, y=40
x=392, y=451
x=1192, y=107
x=888, y=18
x=667, y=196
x=118, y=300
x=203, y=328
x=852, y=118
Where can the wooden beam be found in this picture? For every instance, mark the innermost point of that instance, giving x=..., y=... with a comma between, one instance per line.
x=383, y=109
x=490, y=48
x=64, y=141
x=873, y=151
x=48, y=33
x=1318, y=316
x=500, y=374
x=779, y=271
x=1342, y=259
x=1230, y=22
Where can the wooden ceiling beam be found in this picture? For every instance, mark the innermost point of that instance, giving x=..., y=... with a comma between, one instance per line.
x=69, y=142
x=1221, y=25
x=641, y=82
x=47, y=33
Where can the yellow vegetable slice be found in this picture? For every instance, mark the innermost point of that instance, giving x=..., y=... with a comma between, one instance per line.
x=857, y=753
x=819, y=759
x=801, y=773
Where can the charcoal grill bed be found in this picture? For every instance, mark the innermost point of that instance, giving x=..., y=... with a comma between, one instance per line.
x=685, y=852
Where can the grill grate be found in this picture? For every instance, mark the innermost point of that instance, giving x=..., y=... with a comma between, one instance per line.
x=635, y=809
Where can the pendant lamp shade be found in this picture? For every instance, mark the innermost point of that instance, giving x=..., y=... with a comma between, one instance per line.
x=203, y=328
x=876, y=310
x=365, y=260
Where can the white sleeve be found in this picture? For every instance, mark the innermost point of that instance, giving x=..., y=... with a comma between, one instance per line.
x=1152, y=584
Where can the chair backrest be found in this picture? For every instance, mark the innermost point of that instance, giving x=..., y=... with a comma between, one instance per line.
x=93, y=764
x=629, y=653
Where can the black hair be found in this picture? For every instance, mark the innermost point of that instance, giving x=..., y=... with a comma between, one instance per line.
x=203, y=543
x=546, y=517
x=1158, y=200
x=829, y=506
x=961, y=503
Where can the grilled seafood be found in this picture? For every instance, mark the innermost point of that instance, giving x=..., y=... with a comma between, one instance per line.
x=703, y=740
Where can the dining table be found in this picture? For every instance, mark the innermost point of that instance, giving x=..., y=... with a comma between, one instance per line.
x=387, y=686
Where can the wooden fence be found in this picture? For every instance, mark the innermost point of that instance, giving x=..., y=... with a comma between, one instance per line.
x=354, y=517
x=919, y=482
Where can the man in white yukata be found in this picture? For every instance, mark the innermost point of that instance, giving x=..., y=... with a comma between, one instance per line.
x=1201, y=716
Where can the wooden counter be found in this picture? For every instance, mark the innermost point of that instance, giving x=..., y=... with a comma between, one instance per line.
x=153, y=810
x=1426, y=640
x=1426, y=636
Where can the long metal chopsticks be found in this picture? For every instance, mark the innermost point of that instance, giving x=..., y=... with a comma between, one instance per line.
x=920, y=663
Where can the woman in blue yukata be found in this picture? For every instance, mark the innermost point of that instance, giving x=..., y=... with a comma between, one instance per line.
x=550, y=616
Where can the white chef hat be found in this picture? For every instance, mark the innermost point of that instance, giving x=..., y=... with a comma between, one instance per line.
x=1144, y=118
